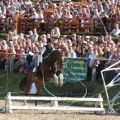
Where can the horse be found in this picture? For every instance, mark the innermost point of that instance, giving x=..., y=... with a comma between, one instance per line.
x=51, y=67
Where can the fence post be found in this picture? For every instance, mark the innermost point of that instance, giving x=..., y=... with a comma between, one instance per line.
x=8, y=104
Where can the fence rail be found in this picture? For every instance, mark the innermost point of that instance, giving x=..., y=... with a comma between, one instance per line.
x=81, y=26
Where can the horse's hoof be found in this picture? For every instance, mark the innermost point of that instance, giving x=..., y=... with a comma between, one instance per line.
x=61, y=84
x=56, y=82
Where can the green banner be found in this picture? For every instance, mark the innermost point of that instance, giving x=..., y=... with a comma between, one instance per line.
x=75, y=69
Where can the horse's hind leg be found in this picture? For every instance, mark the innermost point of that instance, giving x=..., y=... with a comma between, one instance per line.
x=39, y=85
x=29, y=82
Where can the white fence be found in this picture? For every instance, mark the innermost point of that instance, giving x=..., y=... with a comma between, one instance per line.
x=114, y=82
x=55, y=103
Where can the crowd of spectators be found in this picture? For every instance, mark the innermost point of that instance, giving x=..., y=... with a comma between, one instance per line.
x=42, y=9
x=24, y=48
x=65, y=8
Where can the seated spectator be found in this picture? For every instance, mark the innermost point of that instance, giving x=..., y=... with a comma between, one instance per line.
x=28, y=2
x=34, y=14
x=67, y=14
x=55, y=33
x=41, y=15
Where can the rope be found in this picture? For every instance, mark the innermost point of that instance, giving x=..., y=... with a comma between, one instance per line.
x=82, y=85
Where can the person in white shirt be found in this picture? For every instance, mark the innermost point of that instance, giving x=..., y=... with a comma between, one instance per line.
x=34, y=36
x=71, y=52
x=96, y=13
x=40, y=13
x=28, y=2
x=1, y=11
x=67, y=14
x=116, y=31
x=34, y=15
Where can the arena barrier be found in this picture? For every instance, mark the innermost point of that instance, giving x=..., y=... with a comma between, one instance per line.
x=55, y=103
x=114, y=83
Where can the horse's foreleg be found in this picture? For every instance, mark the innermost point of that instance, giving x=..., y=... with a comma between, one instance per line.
x=60, y=79
x=56, y=79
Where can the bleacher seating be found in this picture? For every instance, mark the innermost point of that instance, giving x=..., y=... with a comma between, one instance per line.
x=81, y=26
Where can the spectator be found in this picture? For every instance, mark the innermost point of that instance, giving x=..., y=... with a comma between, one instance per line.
x=91, y=57
x=34, y=36
x=11, y=57
x=34, y=14
x=55, y=33
x=116, y=31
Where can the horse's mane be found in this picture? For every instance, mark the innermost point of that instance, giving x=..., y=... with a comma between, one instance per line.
x=53, y=57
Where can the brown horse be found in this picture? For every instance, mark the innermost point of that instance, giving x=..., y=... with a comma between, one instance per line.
x=47, y=69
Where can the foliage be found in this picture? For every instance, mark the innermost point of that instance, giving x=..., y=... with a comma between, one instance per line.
x=3, y=36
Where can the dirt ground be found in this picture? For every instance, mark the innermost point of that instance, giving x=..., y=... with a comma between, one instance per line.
x=52, y=115
x=55, y=116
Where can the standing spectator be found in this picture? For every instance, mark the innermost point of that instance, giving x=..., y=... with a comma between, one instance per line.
x=3, y=56
x=55, y=33
x=116, y=31
x=91, y=59
x=11, y=57
x=34, y=35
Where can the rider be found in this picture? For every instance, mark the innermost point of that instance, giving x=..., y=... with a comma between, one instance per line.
x=46, y=50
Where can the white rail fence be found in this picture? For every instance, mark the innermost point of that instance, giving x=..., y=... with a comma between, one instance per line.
x=9, y=107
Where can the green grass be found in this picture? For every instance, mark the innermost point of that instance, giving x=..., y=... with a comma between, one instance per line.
x=9, y=82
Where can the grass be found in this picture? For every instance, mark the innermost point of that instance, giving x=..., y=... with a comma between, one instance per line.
x=9, y=82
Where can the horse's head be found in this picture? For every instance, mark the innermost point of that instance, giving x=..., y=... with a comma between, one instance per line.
x=57, y=57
